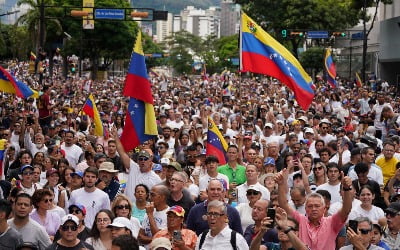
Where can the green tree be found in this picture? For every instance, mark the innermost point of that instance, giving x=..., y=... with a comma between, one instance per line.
x=227, y=48
x=312, y=59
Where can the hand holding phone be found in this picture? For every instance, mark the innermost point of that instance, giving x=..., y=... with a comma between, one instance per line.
x=271, y=215
x=353, y=224
x=177, y=235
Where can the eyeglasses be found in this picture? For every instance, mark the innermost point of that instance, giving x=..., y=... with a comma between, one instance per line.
x=66, y=228
x=364, y=231
x=47, y=200
x=105, y=220
x=122, y=207
x=214, y=215
x=318, y=168
x=177, y=180
x=252, y=192
x=75, y=211
x=27, y=173
x=143, y=158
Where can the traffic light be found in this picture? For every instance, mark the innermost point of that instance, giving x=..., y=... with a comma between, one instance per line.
x=79, y=13
x=140, y=14
x=339, y=34
x=297, y=34
x=284, y=33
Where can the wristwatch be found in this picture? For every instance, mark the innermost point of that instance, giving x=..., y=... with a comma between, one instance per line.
x=288, y=230
x=347, y=189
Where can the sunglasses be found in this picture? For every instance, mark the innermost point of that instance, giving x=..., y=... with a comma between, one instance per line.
x=27, y=173
x=318, y=168
x=364, y=231
x=122, y=207
x=47, y=200
x=252, y=193
x=66, y=228
x=75, y=211
x=143, y=158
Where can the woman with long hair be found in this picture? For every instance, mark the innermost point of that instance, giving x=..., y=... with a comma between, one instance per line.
x=122, y=207
x=65, y=195
x=320, y=175
x=38, y=158
x=101, y=235
x=53, y=177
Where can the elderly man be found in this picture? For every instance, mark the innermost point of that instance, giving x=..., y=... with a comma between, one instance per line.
x=177, y=196
x=362, y=238
x=219, y=236
x=107, y=181
x=139, y=173
x=316, y=231
x=215, y=191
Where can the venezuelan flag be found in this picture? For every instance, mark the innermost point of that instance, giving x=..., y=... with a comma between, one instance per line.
x=261, y=53
x=216, y=144
x=9, y=84
x=90, y=110
x=330, y=69
x=3, y=145
x=140, y=120
x=358, y=80
x=32, y=56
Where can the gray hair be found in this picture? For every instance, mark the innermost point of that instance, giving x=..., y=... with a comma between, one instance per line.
x=364, y=219
x=183, y=175
x=316, y=195
x=218, y=204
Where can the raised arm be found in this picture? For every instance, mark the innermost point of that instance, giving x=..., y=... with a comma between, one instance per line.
x=347, y=197
x=126, y=161
x=281, y=179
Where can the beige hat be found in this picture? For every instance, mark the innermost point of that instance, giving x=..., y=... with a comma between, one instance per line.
x=108, y=167
x=160, y=242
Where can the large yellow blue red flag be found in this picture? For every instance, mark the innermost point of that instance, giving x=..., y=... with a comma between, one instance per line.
x=140, y=120
x=90, y=110
x=330, y=69
x=261, y=53
x=9, y=84
x=216, y=144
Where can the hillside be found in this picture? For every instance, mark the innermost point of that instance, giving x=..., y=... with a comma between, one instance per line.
x=174, y=6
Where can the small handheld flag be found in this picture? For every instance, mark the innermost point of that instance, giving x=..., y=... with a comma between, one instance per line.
x=216, y=144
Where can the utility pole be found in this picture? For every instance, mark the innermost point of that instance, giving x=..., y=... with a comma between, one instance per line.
x=365, y=45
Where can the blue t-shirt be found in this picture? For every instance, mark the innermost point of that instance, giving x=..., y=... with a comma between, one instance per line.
x=138, y=213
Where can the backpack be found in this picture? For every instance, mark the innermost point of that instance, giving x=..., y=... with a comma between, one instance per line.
x=233, y=239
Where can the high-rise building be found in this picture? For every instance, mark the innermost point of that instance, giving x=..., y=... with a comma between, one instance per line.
x=164, y=28
x=230, y=18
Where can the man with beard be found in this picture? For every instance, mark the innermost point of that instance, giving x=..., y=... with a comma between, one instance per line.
x=38, y=146
x=166, y=137
x=92, y=198
x=107, y=182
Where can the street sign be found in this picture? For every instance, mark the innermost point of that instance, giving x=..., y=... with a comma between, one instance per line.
x=357, y=36
x=320, y=34
x=116, y=14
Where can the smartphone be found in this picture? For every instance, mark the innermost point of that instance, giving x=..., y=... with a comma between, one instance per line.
x=234, y=195
x=353, y=224
x=177, y=235
x=271, y=214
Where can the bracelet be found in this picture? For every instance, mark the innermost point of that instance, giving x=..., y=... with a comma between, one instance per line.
x=288, y=230
x=347, y=189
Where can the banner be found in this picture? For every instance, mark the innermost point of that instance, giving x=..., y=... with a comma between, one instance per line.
x=88, y=22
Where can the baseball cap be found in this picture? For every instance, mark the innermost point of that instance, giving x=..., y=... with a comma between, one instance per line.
x=52, y=171
x=121, y=222
x=70, y=217
x=79, y=206
x=25, y=167
x=144, y=153
x=309, y=130
x=157, y=167
x=177, y=210
x=393, y=208
x=269, y=161
x=268, y=125
x=325, y=121
x=164, y=161
x=78, y=173
x=253, y=187
x=161, y=242
x=175, y=165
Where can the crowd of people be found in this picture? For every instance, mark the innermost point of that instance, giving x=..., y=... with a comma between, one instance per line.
x=325, y=178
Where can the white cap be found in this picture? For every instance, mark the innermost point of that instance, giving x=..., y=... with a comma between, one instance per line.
x=269, y=125
x=254, y=187
x=160, y=242
x=325, y=121
x=70, y=217
x=121, y=222
x=309, y=130
x=164, y=161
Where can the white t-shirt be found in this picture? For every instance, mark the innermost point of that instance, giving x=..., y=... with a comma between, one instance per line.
x=374, y=214
x=327, y=138
x=242, y=189
x=136, y=177
x=334, y=190
x=335, y=207
x=93, y=202
x=160, y=217
x=203, y=182
x=72, y=154
x=374, y=173
x=245, y=211
x=345, y=157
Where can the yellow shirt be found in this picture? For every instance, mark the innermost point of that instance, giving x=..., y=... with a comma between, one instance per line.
x=388, y=167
